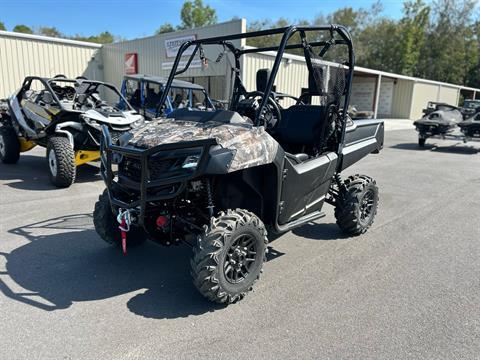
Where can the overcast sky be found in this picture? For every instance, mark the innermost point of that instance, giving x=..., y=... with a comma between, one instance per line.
x=135, y=18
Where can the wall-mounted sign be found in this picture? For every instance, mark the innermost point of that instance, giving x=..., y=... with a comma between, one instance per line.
x=172, y=45
x=131, y=63
x=194, y=64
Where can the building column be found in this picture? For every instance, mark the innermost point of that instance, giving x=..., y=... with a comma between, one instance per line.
x=377, y=96
x=474, y=94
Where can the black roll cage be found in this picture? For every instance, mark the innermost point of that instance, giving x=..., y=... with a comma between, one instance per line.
x=287, y=32
x=47, y=83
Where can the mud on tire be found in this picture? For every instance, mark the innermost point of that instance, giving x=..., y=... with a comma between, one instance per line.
x=9, y=145
x=357, y=204
x=61, y=161
x=106, y=224
x=233, y=246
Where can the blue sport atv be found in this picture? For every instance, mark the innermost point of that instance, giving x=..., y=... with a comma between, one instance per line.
x=144, y=93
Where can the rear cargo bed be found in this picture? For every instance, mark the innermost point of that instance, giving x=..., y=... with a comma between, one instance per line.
x=362, y=138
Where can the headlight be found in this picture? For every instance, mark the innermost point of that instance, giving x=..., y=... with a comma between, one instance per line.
x=191, y=162
x=137, y=123
x=92, y=123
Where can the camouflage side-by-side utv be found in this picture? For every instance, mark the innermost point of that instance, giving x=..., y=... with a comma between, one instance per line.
x=221, y=181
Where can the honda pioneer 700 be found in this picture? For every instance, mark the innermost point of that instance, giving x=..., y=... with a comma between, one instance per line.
x=65, y=116
x=219, y=180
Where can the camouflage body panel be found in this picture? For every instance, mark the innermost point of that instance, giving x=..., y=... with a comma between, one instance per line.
x=252, y=146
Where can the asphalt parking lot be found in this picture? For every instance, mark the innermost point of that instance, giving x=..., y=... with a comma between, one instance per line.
x=409, y=288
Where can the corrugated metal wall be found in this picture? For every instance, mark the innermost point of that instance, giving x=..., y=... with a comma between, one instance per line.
x=422, y=94
x=448, y=95
x=425, y=92
x=402, y=98
x=152, y=54
x=291, y=77
x=23, y=55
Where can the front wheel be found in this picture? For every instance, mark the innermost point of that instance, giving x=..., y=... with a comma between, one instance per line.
x=229, y=256
x=61, y=161
x=421, y=142
x=356, y=205
x=9, y=145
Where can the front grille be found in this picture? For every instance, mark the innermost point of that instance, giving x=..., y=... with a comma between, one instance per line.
x=132, y=168
x=115, y=134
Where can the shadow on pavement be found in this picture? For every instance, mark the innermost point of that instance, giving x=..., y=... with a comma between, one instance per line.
x=459, y=148
x=321, y=231
x=31, y=173
x=76, y=265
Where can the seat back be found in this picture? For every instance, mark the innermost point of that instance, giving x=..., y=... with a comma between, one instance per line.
x=301, y=124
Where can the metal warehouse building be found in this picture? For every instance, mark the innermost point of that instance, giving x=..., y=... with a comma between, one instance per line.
x=388, y=95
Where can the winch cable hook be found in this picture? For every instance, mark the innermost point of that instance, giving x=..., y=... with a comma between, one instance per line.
x=124, y=219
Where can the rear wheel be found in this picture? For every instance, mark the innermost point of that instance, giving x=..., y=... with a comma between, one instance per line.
x=61, y=161
x=106, y=224
x=229, y=256
x=9, y=145
x=356, y=205
x=421, y=142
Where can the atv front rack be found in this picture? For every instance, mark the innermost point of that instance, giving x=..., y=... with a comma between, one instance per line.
x=142, y=191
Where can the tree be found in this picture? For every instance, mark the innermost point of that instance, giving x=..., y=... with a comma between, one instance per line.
x=102, y=38
x=413, y=31
x=2, y=26
x=194, y=14
x=450, y=41
x=165, y=28
x=50, y=31
x=376, y=46
x=23, y=29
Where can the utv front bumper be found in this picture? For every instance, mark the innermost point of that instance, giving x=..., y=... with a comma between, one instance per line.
x=151, y=175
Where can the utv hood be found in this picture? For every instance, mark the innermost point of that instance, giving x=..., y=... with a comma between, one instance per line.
x=250, y=145
x=114, y=118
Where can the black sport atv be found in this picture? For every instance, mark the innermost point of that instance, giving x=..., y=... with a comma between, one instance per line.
x=439, y=121
x=65, y=116
x=222, y=180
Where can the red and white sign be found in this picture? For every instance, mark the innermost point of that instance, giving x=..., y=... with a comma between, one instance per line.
x=131, y=63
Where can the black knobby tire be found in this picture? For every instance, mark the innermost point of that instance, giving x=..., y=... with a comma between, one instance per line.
x=9, y=145
x=357, y=204
x=61, y=161
x=211, y=267
x=106, y=224
x=421, y=142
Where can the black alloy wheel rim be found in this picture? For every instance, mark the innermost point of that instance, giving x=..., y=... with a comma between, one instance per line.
x=240, y=258
x=366, y=206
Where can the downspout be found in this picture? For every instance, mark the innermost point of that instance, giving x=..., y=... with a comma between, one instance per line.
x=377, y=96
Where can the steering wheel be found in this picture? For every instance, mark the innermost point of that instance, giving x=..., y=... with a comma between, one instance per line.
x=271, y=112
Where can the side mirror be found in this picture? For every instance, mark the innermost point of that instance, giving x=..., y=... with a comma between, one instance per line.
x=47, y=97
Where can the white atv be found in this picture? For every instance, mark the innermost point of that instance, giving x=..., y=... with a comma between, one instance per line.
x=64, y=116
